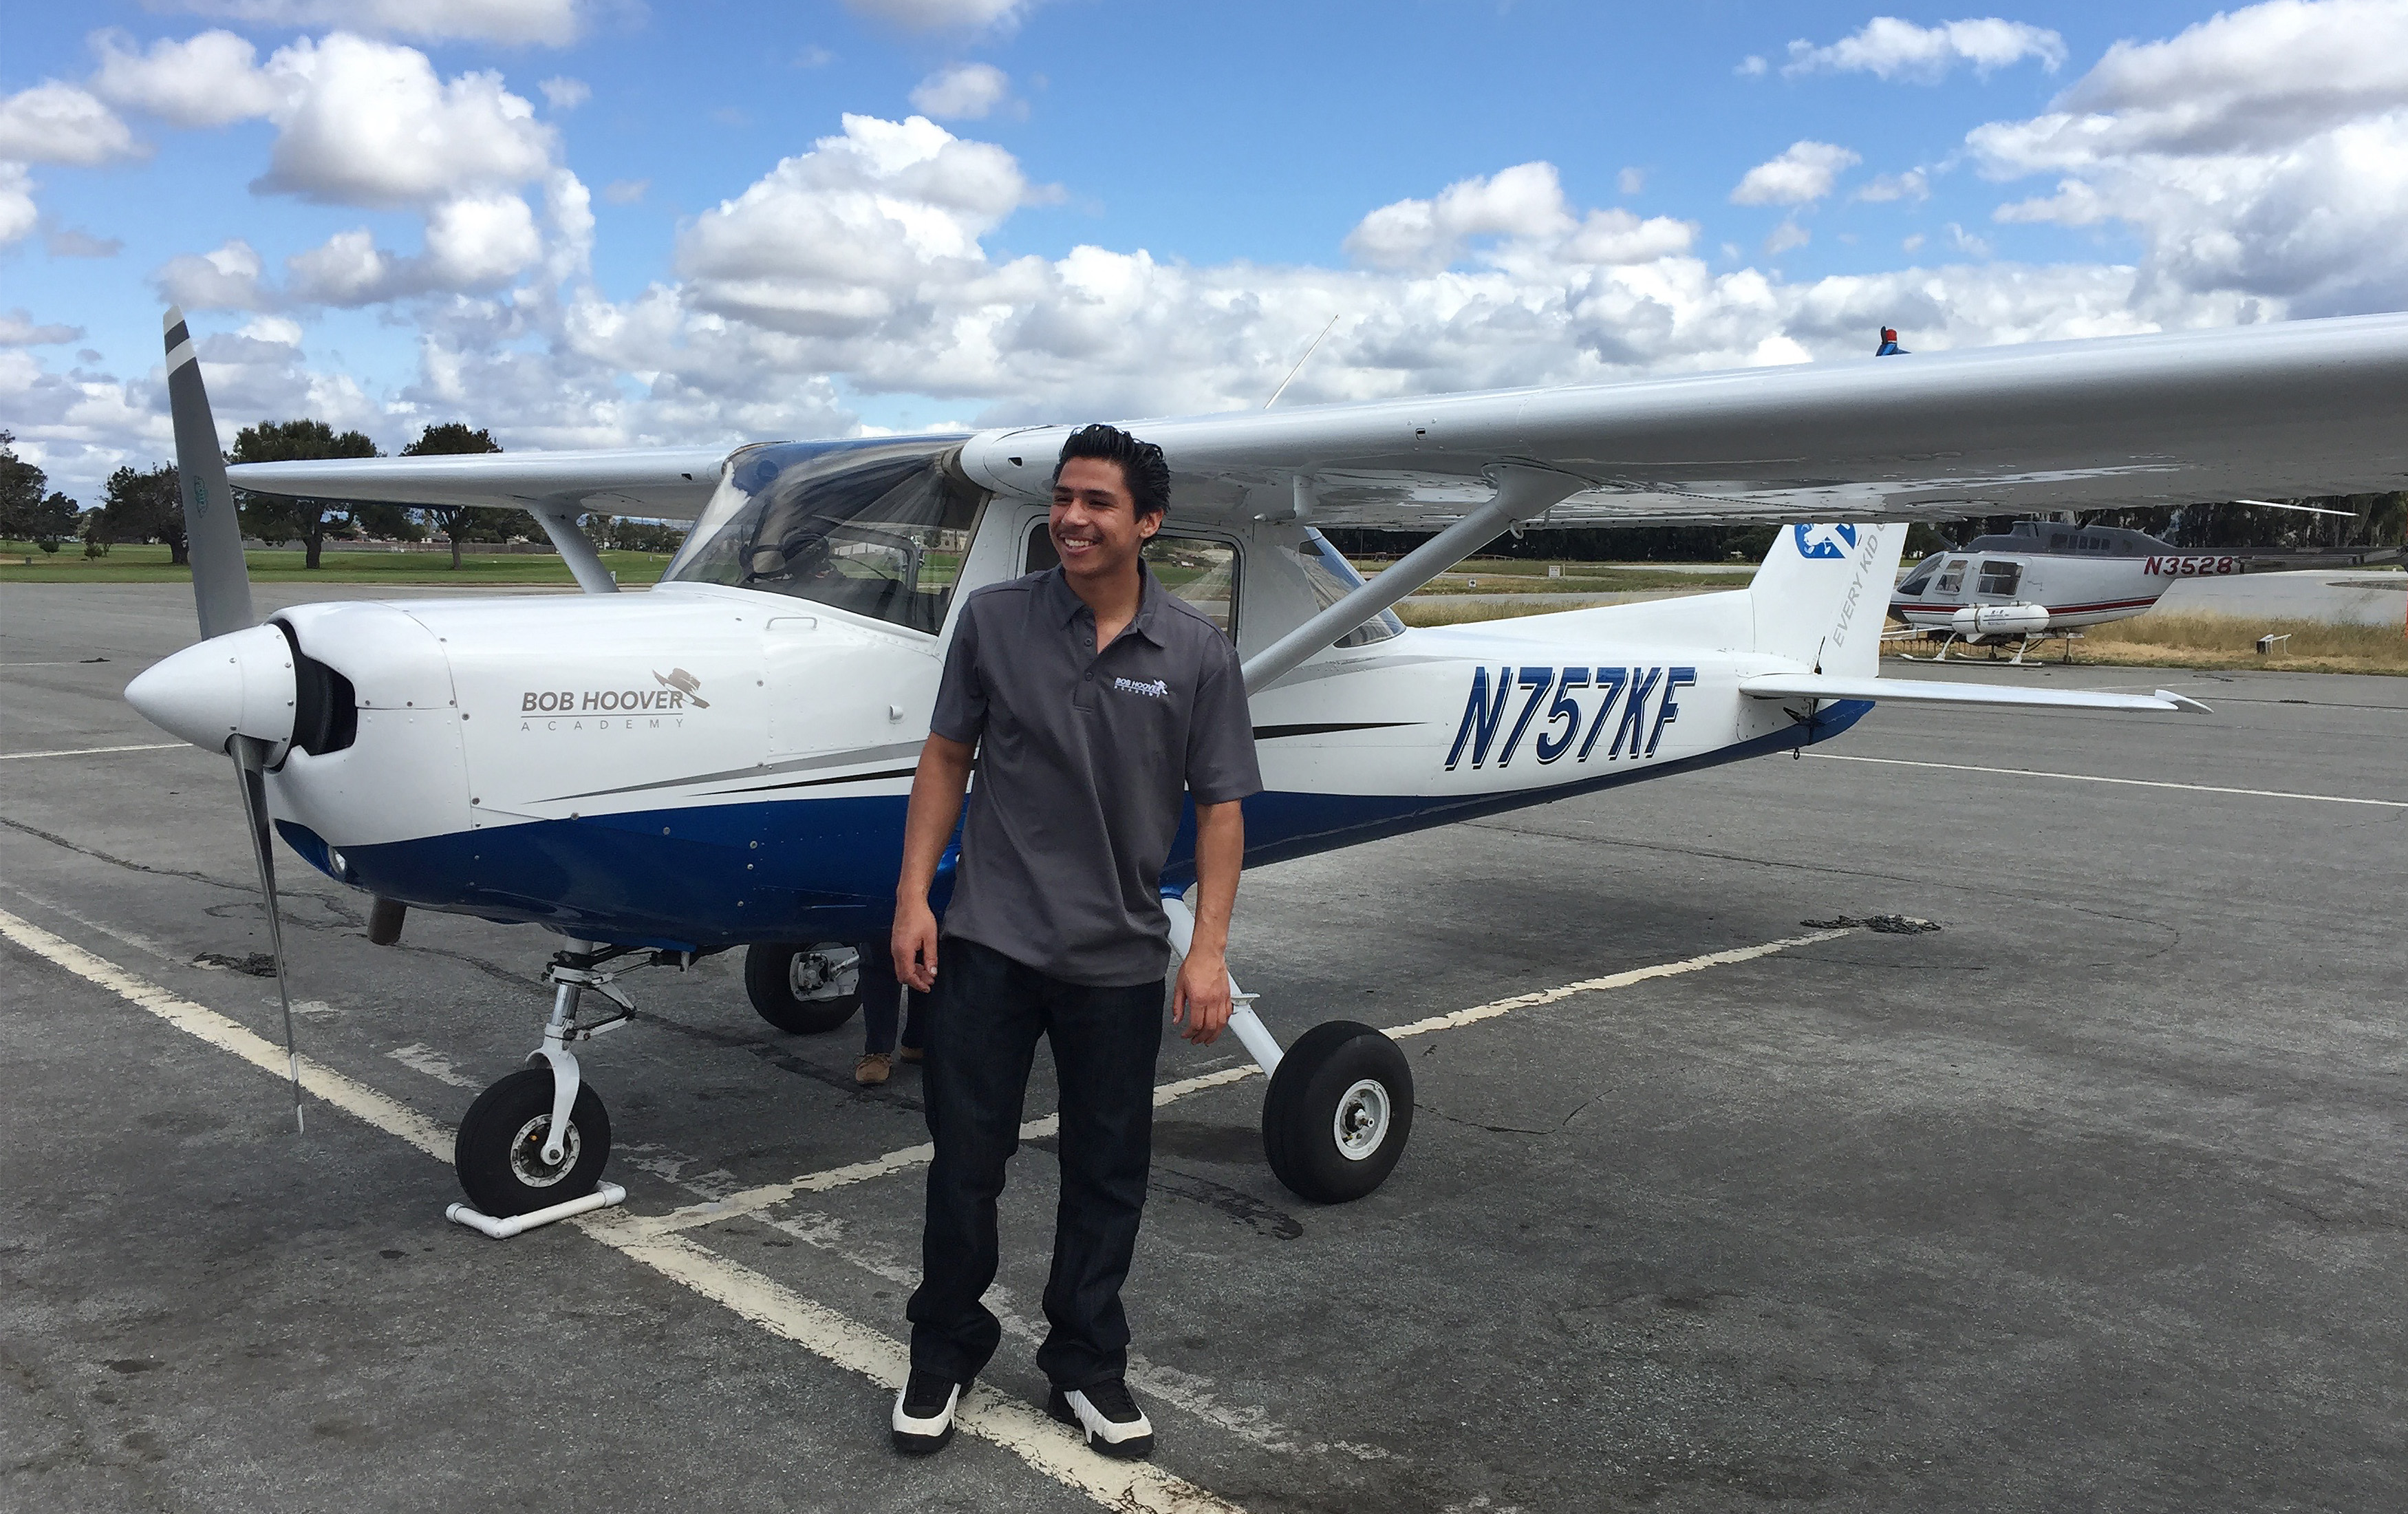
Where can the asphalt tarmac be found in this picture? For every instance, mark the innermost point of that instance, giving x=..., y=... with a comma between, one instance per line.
x=2093, y=1198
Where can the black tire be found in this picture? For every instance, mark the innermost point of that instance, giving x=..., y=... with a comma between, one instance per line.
x=1328, y=1068
x=499, y=1178
x=769, y=982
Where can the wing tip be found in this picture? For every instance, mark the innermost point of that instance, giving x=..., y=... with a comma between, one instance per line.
x=2183, y=701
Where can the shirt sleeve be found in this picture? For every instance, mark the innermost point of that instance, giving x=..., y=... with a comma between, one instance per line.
x=1221, y=764
x=961, y=695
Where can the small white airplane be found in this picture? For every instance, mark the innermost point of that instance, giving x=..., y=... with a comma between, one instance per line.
x=2047, y=578
x=723, y=761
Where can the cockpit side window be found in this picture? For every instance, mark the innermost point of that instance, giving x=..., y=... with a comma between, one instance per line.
x=879, y=528
x=1953, y=577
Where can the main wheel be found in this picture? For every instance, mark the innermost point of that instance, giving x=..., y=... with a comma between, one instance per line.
x=804, y=990
x=1339, y=1111
x=499, y=1150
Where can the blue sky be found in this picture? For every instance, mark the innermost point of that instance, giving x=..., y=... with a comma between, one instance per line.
x=1125, y=209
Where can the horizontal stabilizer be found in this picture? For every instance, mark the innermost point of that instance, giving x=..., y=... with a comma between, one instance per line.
x=1916, y=691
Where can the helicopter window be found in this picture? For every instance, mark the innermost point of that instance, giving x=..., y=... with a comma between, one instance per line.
x=1953, y=579
x=878, y=528
x=1200, y=569
x=1915, y=585
x=1998, y=578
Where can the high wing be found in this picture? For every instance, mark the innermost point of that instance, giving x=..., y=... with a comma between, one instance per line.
x=2298, y=408
x=2304, y=406
x=666, y=482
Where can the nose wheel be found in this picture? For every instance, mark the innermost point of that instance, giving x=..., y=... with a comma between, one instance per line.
x=501, y=1152
x=532, y=1147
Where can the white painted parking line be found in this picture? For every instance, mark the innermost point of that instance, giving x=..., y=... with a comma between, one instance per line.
x=2097, y=778
x=1019, y=1428
x=770, y=1195
x=1611, y=980
x=91, y=751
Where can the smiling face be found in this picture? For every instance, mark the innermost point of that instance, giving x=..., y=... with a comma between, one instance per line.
x=1095, y=524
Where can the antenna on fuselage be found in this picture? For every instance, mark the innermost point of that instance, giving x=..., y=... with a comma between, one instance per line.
x=1299, y=363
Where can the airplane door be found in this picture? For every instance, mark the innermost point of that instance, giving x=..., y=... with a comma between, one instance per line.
x=835, y=687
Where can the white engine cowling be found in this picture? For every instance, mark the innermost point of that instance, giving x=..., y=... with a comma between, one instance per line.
x=2001, y=620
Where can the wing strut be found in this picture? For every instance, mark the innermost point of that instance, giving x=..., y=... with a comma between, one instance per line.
x=558, y=515
x=1522, y=493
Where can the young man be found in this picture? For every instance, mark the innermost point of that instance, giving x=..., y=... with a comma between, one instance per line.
x=1092, y=701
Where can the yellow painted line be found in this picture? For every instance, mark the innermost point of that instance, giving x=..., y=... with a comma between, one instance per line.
x=1017, y=1427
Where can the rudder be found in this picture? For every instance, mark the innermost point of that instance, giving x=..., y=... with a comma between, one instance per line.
x=1822, y=594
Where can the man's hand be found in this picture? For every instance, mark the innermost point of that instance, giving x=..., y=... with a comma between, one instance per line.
x=914, y=944
x=1201, y=1000
x=937, y=786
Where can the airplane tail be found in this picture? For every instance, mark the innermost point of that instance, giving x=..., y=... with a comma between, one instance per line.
x=1822, y=594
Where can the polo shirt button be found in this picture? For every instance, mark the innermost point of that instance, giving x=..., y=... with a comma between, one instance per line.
x=1091, y=678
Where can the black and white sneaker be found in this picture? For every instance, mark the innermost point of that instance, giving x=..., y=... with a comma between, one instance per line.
x=1114, y=1422
x=924, y=1413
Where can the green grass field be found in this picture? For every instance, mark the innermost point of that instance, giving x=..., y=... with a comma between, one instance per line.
x=144, y=564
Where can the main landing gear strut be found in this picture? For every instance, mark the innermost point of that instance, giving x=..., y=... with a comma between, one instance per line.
x=532, y=1147
x=1341, y=1104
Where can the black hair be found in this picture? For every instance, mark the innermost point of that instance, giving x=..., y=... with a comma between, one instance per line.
x=1143, y=467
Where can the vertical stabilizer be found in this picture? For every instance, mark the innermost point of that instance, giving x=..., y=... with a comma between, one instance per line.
x=1822, y=594
x=220, y=582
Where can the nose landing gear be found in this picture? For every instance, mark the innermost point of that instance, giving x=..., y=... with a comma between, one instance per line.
x=532, y=1147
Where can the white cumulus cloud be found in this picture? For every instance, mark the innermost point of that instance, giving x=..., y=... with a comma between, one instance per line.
x=555, y=22
x=966, y=91
x=1799, y=176
x=940, y=15
x=565, y=93
x=847, y=233
x=1888, y=48
x=208, y=80
x=225, y=280
x=2264, y=151
x=369, y=123
x=55, y=123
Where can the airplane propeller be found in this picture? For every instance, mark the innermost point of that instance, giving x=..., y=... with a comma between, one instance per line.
x=242, y=701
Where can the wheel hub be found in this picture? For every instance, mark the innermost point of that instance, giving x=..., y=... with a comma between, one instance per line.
x=527, y=1153
x=815, y=976
x=1361, y=1122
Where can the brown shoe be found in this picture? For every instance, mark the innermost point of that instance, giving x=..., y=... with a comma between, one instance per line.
x=912, y=1054
x=872, y=1069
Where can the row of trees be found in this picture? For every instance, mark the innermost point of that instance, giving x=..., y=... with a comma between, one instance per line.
x=27, y=512
x=145, y=504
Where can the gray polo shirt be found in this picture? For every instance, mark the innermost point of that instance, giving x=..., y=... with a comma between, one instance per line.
x=1083, y=760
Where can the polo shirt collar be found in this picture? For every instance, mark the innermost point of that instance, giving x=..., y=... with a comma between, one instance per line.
x=1067, y=605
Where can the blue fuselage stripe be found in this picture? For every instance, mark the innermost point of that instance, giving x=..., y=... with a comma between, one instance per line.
x=823, y=869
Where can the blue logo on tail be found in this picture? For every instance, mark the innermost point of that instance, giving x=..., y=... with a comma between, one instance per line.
x=1816, y=540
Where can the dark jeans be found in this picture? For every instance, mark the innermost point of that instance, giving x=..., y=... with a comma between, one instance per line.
x=983, y=1022
x=883, y=999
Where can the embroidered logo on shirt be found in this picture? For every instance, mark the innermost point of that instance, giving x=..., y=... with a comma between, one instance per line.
x=1155, y=690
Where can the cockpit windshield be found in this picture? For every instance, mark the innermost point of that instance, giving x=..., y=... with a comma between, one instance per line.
x=877, y=527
